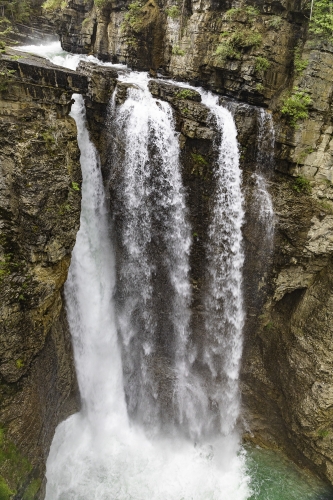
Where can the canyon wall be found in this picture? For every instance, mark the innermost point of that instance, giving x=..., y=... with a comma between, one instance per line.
x=39, y=217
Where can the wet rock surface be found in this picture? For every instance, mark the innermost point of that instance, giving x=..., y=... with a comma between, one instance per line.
x=39, y=217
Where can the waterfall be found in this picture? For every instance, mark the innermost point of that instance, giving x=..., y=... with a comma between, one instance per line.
x=262, y=201
x=151, y=426
x=224, y=303
x=154, y=291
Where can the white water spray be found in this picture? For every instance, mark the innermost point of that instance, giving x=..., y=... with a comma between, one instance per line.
x=97, y=453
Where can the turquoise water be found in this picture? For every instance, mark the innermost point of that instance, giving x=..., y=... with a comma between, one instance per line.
x=276, y=478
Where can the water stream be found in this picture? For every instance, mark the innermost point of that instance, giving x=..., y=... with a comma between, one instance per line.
x=150, y=426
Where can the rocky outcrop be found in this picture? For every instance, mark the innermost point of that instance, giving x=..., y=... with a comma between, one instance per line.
x=39, y=218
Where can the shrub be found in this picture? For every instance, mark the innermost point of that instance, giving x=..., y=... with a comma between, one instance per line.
x=225, y=50
x=230, y=48
x=54, y=4
x=322, y=19
x=302, y=185
x=275, y=22
x=246, y=38
x=299, y=64
x=296, y=106
x=262, y=64
x=173, y=12
x=259, y=87
x=185, y=94
x=5, y=77
x=199, y=159
x=133, y=17
x=75, y=186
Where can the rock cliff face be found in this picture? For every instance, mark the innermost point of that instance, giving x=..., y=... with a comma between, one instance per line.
x=39, y=218
x=257, y=55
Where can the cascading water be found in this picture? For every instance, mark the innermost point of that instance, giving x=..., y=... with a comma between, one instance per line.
x=224, y=305
x=154, y=291
x=102, y=452
x=265, y=160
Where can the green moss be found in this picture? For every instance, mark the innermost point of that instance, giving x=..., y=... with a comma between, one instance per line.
x=48, y=137
x=259, y=87
x=185, y=94
x=325, y=205
x=19, y=363
x=275, y=22
x=261, y=64
x=269, y=325
x=299, y=64
x=5, y=492
x=235, y=42
x=296, y=106
x=6, y=76
x=173, y=12
x=199, y=159
x=32, y=489
x=250, y=12
x=75, y=186
x=177, y=51
x=322, y=433
x=54, y=4
x=302, y=185
x=14, y=467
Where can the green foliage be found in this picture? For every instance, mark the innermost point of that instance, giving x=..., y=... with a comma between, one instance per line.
x=237, y=41
x=259, y=87
x=32, y=489
x=54, y=4
x=299, y=64
x=133, y=17
x=5, y=265
x=17, y=10
x=302, y=185
x=19, y=363
x=323, y=433
x=65, y=207
x=262, y=64
x=177, y=51
x=86, y=21
x=304, y=154
x=322, y=19
x=15, y=467
x=100, y=3
x=296, y=106
x=269, y=325
x=275, y=22
x=250, y=12
x=185, y=94
x=246, y=38
x=327, y=206
x=48, y=138
x=5, y=491
x=197, y=158
x=225, y=50
x=173, y=12
x=5, y=77
x=75, y=186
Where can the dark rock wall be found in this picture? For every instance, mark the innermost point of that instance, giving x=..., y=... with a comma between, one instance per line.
x=39, y=218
